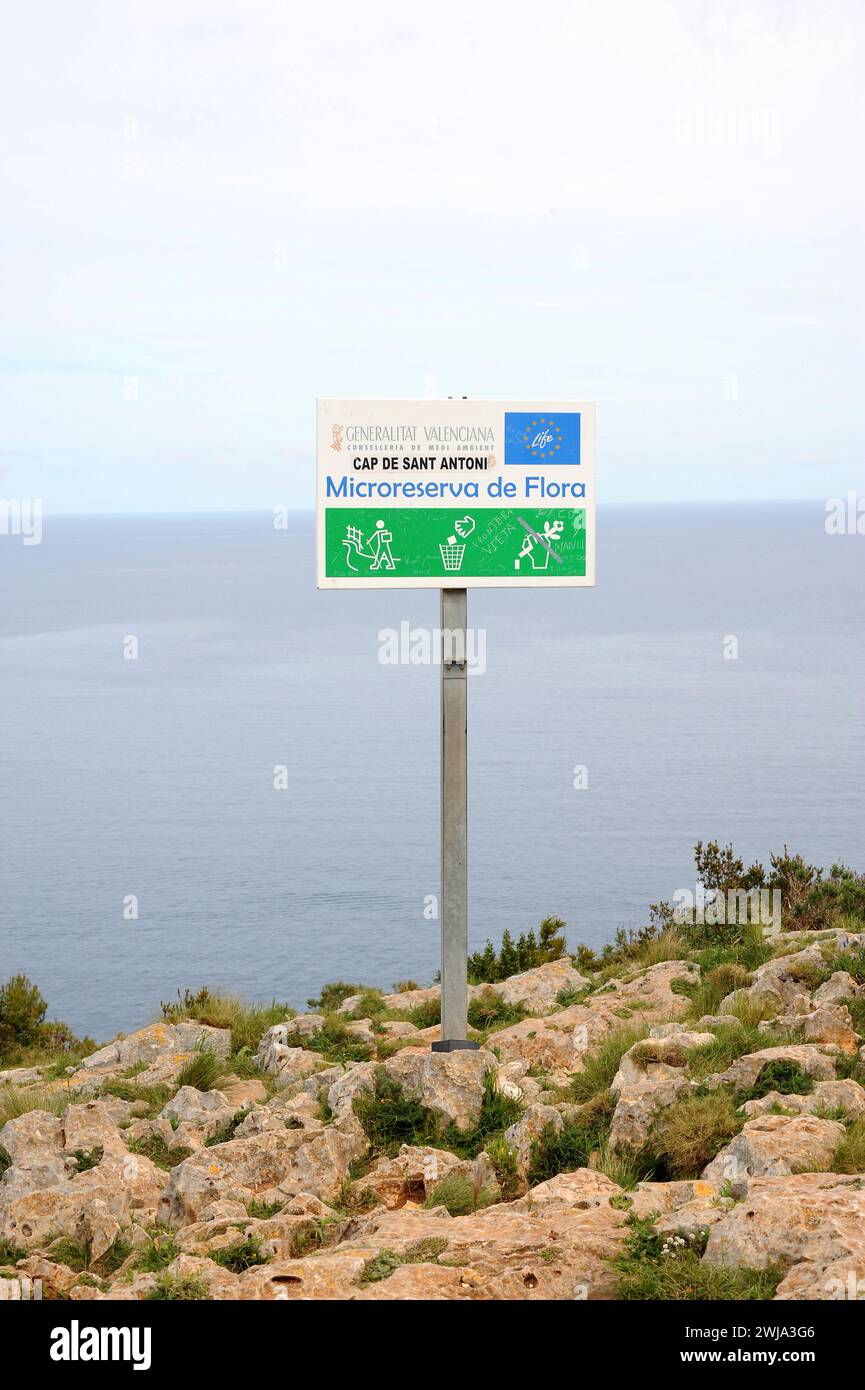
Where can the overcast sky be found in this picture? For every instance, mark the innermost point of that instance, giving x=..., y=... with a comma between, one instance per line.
x=215, y=210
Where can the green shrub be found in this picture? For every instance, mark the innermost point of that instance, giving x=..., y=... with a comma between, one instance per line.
x=390, y=1118
x=731, y=1041
x=779, y=1075
x=148, y=1100
x=527, y=953
x=241, y=1256
x=497, y=1113
x=178, y=1288
x=459, y=1195
x=565, y=1150
x=715, y=985
x=504, y=1161
x=488, y=1009
x=334, y=1042
x=382, y=1265
x=204, y=1070
x=427, y=1014
x=663, y=1267
x=688, y=1134
x=602, y=1062
x=850, y=1153
x=227, y=1131
x=10, y=1254
x=154, y=1147
x=263, y=1211
x=853, y=961
x=85, y=1159
x=332, y=995
x=247, y=1022
x=22, y=1010
x=77, y=1255
x=18, y=1100
x=158, y=1254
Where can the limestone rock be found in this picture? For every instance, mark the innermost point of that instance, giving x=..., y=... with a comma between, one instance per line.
x=827, y=1095
x=743, y=1073
x=160, y=1039
x=813, y=1220
x=195, y=1107
x=417, y=1170
x=537, y=989
x=654, y=1059
x=639, y=1103
x=528, y=1129
x=777, y=1145
x=580, y=1190
x=277, y=1163
x=559, y=1042
x=831, y=1024
x=836, y=989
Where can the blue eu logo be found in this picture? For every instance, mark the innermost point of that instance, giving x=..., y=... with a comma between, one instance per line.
x=543, y=439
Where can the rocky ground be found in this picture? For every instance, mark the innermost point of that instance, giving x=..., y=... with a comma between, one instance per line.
x=516, y=1171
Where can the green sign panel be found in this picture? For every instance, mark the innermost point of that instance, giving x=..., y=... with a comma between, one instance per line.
x=448, y=543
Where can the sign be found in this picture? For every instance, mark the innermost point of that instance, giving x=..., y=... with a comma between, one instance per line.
x=455, y=494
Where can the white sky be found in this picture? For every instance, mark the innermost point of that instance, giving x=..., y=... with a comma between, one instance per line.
x=214, y=211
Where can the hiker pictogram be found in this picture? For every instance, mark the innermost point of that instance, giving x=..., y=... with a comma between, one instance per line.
x=375, y=548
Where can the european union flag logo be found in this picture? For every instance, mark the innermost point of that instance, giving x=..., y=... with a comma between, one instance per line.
x=543, y=439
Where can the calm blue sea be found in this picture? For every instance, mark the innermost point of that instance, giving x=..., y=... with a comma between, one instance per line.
x=154, y=777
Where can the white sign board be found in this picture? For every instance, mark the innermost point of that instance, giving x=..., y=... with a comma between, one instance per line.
x=455, y=494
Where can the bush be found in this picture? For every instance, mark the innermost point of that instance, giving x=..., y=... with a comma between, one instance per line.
x=22, y=1010
x=565, y=1150
x=332, y=995
x=382, y=1265
x=655, y=1267
x=731, y=1041
x=226, y=1132
x=602, y=1062
x=504, y=1161
x=459, y=1195
x=512, y=958
x=489, y=1009
x=155, y=1148
x=241, y=1256
x=160, y=1252
x=783, y=1076
x=204, y=1070
x=850, y=1153
x=497, y=1113
x=334, y=1042
x=247, y=1022
x=178, y=1288
x=688, y=1134
x=716, y=985
x=16, y=1100
x=427, y=1014
x=390, y=1118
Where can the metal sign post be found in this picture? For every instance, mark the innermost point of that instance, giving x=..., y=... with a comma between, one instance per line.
x=454, y=809
x=430, y=494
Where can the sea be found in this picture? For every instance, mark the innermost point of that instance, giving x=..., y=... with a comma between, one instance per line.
x=210, y=776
